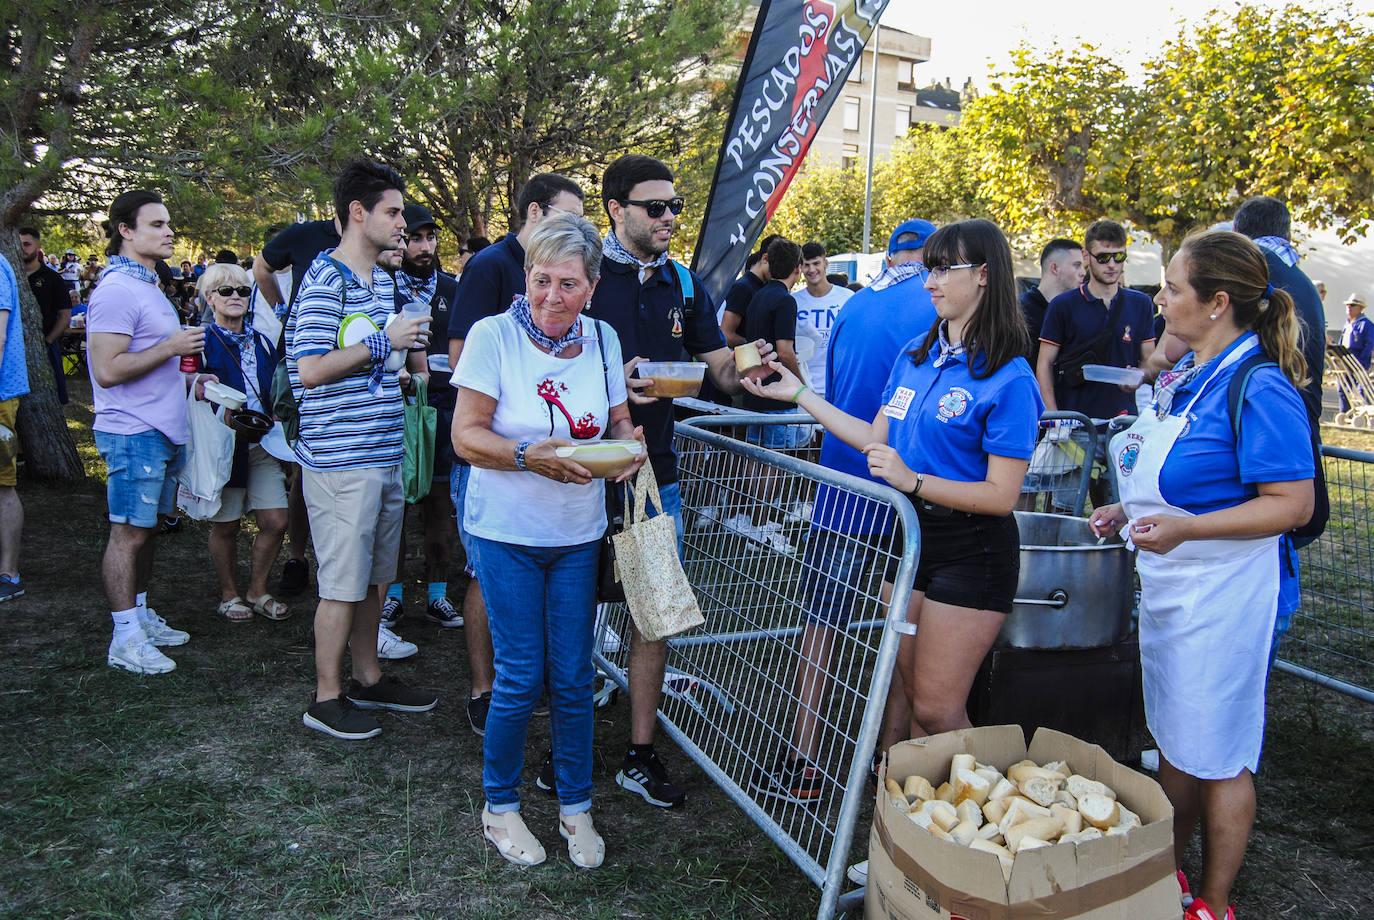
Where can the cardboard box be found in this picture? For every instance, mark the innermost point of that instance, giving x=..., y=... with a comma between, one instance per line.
x=914, y=876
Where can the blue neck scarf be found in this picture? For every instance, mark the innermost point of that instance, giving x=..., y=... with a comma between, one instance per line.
x=417, y=290
x=122, y=265
x=520, y=312
x=947, y=351
x=613, y=250
x=1279, y=247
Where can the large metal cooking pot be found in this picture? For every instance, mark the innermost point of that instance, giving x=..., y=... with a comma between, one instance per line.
x=1073, y=592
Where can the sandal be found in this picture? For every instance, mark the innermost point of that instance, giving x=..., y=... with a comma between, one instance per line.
x=268, y=606
x=518, y=845
x=235, y=610
x=585, y=846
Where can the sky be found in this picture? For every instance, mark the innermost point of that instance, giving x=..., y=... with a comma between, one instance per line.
x=966, y=36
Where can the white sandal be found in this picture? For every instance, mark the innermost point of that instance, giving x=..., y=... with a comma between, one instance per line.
x=585, y=846
x=519, y=845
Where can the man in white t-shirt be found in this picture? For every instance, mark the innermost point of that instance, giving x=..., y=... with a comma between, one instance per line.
x=817, y=305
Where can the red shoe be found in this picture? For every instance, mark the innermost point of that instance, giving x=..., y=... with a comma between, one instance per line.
x=1199, y=910
x=1183, y=884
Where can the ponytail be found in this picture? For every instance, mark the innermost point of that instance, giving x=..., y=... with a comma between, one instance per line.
x=1220, y=260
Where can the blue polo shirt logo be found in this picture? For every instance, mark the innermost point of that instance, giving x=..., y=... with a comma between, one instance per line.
x=1126, y=334
x=675, y=314
x=954, y=403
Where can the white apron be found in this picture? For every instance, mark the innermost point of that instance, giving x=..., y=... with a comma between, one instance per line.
x=1207, y=613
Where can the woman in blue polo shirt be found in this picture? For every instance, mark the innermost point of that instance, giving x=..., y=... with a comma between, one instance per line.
x=955, y=432
x=1205, y=509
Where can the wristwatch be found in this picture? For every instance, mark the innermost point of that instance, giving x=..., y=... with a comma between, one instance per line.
x=520, y=455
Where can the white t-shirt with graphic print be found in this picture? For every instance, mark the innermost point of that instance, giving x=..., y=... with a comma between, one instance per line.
x=539, y=396
x=815, y=320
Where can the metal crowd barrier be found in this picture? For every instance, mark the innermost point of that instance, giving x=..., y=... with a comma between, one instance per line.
x=1331, y=639
x=731, y=696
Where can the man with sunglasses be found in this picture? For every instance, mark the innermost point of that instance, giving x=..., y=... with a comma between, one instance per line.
x=1076, y=320
x=474, y=245
x=489, y=283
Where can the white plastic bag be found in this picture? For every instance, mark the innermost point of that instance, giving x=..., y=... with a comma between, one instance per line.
x=209, y=458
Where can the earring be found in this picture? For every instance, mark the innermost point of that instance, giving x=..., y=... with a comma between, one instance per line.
x=1214, y=316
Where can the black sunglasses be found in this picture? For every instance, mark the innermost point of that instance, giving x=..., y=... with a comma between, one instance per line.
x=1104, y=257
x=656, y=206
x=227, y=290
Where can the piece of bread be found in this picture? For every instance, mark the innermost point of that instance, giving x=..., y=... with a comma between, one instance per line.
x=1003, y=855
x=964, y=833
x=941, y=814
x=1083, y=836
x=1065, y=797
x=960, y=762
x=1039, y=790
x=894, y=792
x=968, y=810
x=990, y=832
x=945, y=793
x=1069, y=817
x=1001, y=789
x=1080, y=786
x=1126, y=818
x=969, y=785
x=1098, y=810
x=938, y=831
x=991, y=775
x=1022, y=772
x=1032, y=843
x=994, y=809
x=917, y=788
x=1060, y=767
x=1043, y=828
x=1021, y=810
x=919, y=818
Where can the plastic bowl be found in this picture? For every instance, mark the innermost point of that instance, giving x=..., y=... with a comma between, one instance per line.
x=250, y=424
x=225, y=395
x=1105, y=373
x=603, y=459
x=672, y=378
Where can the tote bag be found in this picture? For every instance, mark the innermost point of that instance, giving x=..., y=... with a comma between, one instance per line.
x=421, y=422
x=209, y=460
x=661, y=601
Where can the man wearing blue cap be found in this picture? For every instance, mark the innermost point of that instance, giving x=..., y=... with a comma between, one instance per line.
x=868, y=337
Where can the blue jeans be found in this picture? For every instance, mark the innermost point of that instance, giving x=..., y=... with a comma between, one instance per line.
x=541, y=606
x=672, y=506
x=141, y=475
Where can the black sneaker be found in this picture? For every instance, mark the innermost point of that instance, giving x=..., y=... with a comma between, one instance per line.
x=295, y=576
x=340, y=718
x=791, y=781
x=392, y=612
x=441, y=611
x=477, y=713
x=390, y=693
x=545, y=780
x=647, y=777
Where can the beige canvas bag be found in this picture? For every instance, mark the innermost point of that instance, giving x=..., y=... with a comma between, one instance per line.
x=661, y=601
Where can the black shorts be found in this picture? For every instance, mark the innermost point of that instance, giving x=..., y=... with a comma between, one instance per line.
x=969, y=560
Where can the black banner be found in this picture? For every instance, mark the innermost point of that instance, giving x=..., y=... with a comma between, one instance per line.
x=800, y=54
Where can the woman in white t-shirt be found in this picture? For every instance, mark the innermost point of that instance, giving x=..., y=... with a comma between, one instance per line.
x=532, y=379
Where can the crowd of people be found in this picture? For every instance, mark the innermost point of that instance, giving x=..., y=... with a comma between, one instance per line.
x=932, y=379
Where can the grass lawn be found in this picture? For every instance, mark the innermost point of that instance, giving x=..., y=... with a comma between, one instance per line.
x=199, y=794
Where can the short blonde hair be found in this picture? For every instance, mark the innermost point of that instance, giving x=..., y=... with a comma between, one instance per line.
x=221, y=273
x=560, y=237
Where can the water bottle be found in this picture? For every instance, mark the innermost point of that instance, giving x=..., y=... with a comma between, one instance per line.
x=397, y=359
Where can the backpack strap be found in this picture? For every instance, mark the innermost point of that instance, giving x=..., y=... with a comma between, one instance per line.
x=1235, y=393
x=687, y=286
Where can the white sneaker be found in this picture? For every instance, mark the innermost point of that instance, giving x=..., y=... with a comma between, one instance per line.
x=740, y=523
x=800, y=513
x=159, y=633
x=858, y=873
x=768, y=536
x=138, y=655
x=706, y=518
x=610, y=642
x=392, y=647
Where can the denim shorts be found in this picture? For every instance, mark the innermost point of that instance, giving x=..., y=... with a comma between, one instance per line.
x=780, y=437
x=834, y=565
x=141, y=477
x=969, y=560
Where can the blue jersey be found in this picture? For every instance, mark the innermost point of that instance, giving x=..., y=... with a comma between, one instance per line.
x=1207, y=469
x=944, y=421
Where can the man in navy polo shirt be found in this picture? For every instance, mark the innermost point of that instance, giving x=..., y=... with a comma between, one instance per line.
x=489, y=283
x=756, y=275
x=1061, y=270
x=641, y=296
x=1079, y=316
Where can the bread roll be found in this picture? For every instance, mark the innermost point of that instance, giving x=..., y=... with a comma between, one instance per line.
x=964, y=833
x=1001, y=789
x=894, y=792
x=994, y=809
x=1060, y=767
x=941, y=814
x=1021, y=772
x=1032, y=843
x=919, y=818
x=968, y=810
x=1080, y=786
x=1065, y=797
x=1043, y=828
x=1021, y=810
x=1083, y=836
x=991, y=775
x=1126, y=818
x=969, y=785
x=938, y=831
x=990, y=832
x=1069, y=817
x=1039, y=790
x=917, y=787
x=961, y=762
x=1100, y=811
x=1003, y=855
x=945, y=793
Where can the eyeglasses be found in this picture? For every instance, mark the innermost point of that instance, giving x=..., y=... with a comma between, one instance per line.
x=1104, y=257
x=656, y=206
x=941, y=272
x=227, y=290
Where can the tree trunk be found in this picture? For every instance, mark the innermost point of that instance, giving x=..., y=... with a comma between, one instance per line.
x=49, y=452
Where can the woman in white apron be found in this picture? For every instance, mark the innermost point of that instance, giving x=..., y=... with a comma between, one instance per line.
x=1205, y=509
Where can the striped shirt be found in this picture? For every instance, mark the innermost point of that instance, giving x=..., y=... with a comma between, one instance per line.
x=343, y=426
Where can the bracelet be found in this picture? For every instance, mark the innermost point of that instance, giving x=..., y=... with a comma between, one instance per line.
x=797, y=395
x=520, y=456
x=920, y=481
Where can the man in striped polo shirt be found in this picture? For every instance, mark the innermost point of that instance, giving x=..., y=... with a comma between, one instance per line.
x=350, y=445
